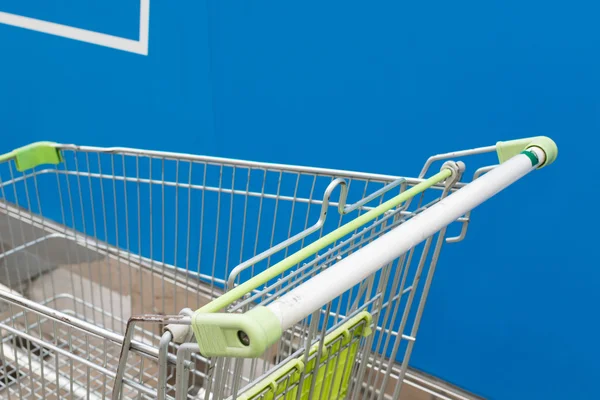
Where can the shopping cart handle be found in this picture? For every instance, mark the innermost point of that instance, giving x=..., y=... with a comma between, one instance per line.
x=245, y=335
x=251, y=333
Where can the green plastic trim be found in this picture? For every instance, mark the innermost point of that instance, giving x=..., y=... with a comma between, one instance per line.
x=332, y=378
x=532, y=157
x=271, y=386
x=241, y=290
x=511, y=148
x=33, y=155
x=221, y=334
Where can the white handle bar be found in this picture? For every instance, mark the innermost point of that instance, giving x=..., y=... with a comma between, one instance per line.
x=302, y=301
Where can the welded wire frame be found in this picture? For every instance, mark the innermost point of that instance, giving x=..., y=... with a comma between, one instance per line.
x=109, y=233
x=201, y=215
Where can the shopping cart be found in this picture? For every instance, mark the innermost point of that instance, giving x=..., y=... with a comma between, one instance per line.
x=307, y=283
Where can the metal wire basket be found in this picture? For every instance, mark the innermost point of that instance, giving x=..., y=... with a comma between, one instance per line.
x=299, y=292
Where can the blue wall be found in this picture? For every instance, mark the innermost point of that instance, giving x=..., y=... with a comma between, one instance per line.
x=377, y=87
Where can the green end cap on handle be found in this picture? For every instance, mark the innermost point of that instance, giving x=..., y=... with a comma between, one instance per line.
x=245, y=335
x=33, y=155
x=511, y=148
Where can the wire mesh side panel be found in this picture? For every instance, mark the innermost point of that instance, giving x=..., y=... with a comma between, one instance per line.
x=45, y=357
x=105, y=235
x=102, y=225
x=394, y=296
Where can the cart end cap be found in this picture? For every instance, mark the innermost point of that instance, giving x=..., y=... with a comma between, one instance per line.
x=511, y=148
x=548, y=146
x=245, y=335
x=35, y=154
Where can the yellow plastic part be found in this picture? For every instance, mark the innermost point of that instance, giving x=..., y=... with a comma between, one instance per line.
x=511, y=148
x=332, y=378
x=33, y=155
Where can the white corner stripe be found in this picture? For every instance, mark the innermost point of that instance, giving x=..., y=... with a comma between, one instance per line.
x=102, y=39
x=144, y=24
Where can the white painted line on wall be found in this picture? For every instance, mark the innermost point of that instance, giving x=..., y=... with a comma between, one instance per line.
x=144, y=25
x=101, y=39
